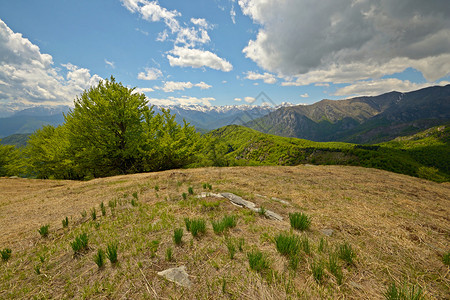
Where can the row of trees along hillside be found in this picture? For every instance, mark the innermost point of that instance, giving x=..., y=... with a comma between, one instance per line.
x=110, y=131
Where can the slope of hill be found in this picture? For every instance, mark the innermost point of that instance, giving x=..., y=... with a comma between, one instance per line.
x=363, y=119
x=428, y=157
x=18, y=140
x=397, y=226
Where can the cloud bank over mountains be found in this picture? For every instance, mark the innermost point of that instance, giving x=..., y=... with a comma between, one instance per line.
x=343, y=41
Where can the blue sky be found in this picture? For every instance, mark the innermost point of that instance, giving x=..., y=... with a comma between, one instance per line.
x=221, y=52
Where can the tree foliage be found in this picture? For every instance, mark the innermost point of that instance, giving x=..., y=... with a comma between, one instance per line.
x=110, y=131
x=10, y=161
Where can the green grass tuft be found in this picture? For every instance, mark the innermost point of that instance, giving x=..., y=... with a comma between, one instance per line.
x=43, y=231
x=111, y=252
x=334, y=268
x=404, y=293
x=191, y=190
x=258, y=261
x=287, y=244
x=93, y=214
x=446, y=259
x=346, y=253
x=195, y=226
x=178, y=235
x=317, y=269
x=5, y=254
x=231, y=247
x=299, y=221
x=80, y=243
x=65, y=222
x=103, y=208
x=99, y=258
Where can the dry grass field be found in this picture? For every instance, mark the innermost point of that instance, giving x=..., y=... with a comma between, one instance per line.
x=398, y=227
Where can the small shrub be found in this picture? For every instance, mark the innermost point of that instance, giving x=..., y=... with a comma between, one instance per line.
x=5, y=254
x=205, y=186
x=111, y=252
x=317, y=269
x=99, y=258
x=103, y=209
x=83, y=214
x=405, y=293
x=346, y=253
x=191, y=190
x=184, y=195
x=65, y=222
x=197, y=226
x=156, y=187
x=446, y=259
x=334, y=268
x=299, y=221
x=135, y=195
x=80, y=243
x=258, y=261
x=209, y=186
x=231, y=248
x=93, y=214
x=43, y=231
x=178, y=235
x=169, y=254
x=133, y=202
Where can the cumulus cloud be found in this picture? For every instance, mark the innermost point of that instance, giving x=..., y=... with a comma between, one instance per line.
x=196, y=58
x=342, y=41
x=171, y=86
x=28, y=77
x=249, y=99
x=185, y=38
x=150, y=74
x=380, y=86
x=266, y=77
x=305, y=95
x=238, y=99
x=143, y=90
x=184, y=100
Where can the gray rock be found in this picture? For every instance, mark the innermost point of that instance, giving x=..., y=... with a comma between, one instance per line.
x=207, y=194
x=274, y=216
x=177, y=275
x=327, y=232
x=280, y=200
x=239, y=201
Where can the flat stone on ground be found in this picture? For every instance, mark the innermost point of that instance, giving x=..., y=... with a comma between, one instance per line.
x=177, y=275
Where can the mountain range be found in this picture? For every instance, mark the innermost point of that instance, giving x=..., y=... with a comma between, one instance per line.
x=362, y=119
x=357, y=120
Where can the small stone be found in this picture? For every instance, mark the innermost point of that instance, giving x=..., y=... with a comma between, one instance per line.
x=327, y=232
x=177, y=275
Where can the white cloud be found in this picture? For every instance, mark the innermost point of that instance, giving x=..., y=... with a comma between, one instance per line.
x=143, y=90
x=150, y=74
x=153, y=12
x=224, y=81
x=267, y=77
x=142, y=31
x=110, y=63
x=380, y=86
x=249, y=99
x=238, y=99
x=342, y=41
x=29, y=78
x=184, y=100
x=305, y=95
x=195, y=58
x=171, y=86
x=200, y=22
x=233, y=13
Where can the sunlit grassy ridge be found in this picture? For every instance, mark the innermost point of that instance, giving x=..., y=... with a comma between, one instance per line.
x=425, y=155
